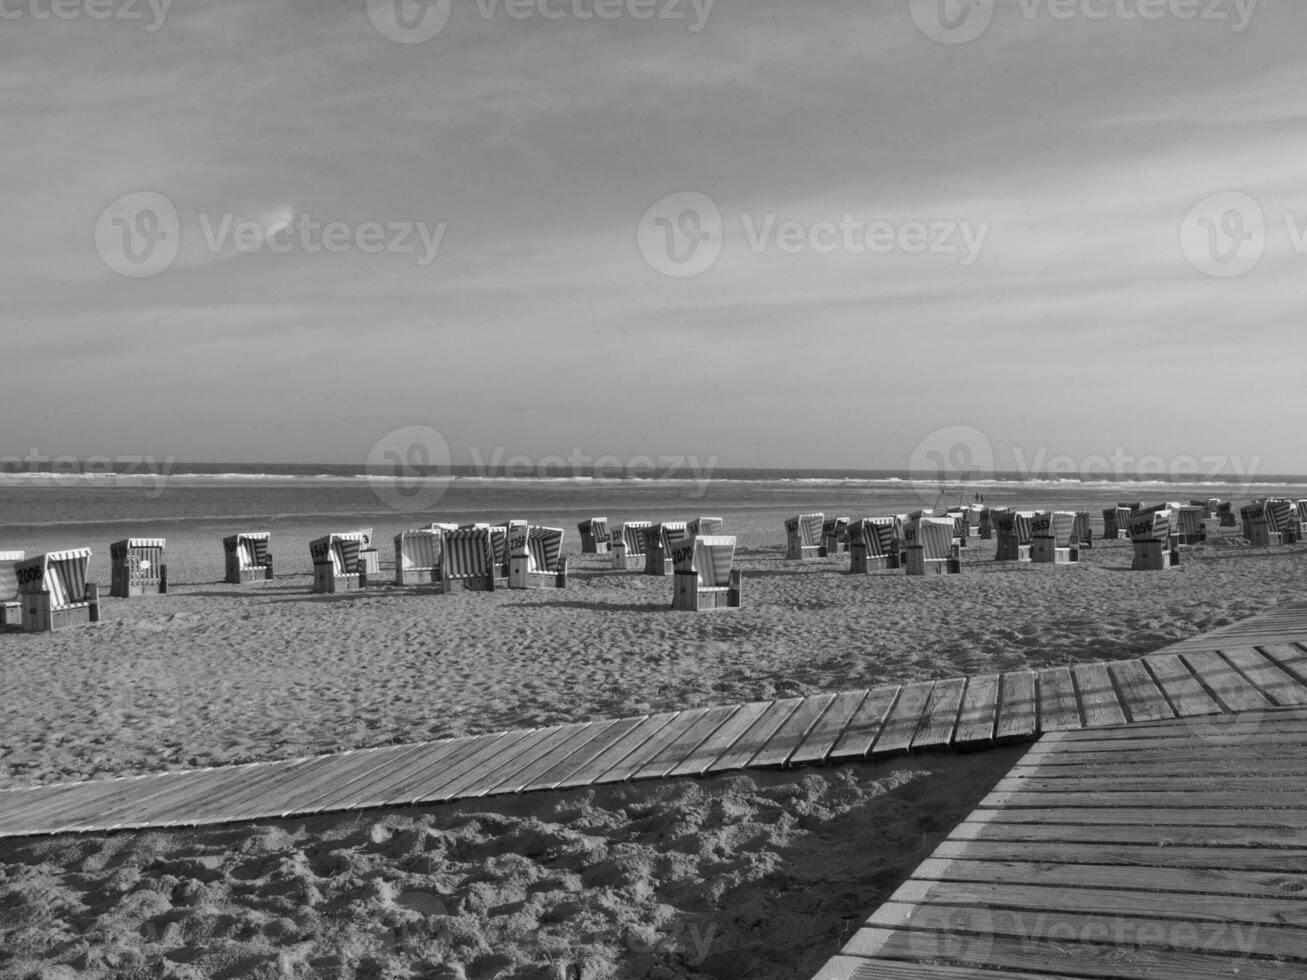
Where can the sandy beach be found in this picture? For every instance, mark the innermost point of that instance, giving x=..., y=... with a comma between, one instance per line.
x=754, y=875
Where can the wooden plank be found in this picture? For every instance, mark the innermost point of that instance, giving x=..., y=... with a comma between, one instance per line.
x=1264, y=674
x=1099, y=706
x=1170, y=835
x=859, y=968
x=756, y=736
x=1078, y=960
x=604, y=738
x=1230, y=799
x=594, y=766
x=1108, y=929
x=792, y=732
x=940, y=716
x=453, y=784
x=506, y=776
x=1132, y=855
x=860, y=734
x=697, y=762
x=1058, y=708
x=1140, y=696
x=1112, y=771
x=229, y=799
x=1122, y=788
x=821, y=738
x=1172, y=816
x=686, y=742
x=305, y=793
x=1187, y=696
x=901, y=723
x=979, y=711
x=1224, y=682
x=1291, y=658
x=1018, y=715
x=1178, y=881
x=628, y=767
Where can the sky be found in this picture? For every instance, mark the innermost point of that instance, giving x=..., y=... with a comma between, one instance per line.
x=777, y=234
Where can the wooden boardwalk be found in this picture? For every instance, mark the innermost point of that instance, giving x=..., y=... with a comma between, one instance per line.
x=1174, y=850
x=1189, y=680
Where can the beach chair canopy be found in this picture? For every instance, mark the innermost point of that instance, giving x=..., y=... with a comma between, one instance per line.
x=633, y=537
x=704, y=525
x=713, y=556
x=670, y=532
x=250, y=548
x=1153, y=526
x=467, y=553
x=1279, y=514
x=1056, y=524
x=544, y=546
x=1015, y=524
x=807, y=527
x=8, y=574
x=418, y=549
x=342, y=550
x=61, y=573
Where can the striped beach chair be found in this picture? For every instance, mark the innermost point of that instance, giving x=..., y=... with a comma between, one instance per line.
x=659, y=540
x=961, y=518
x=248, y=557
x=54, y=592
x=1052, y=538
x=871, y=545
x=1281, y=519
x=985, y=524
x=594, y=536
x=467, y=560
x=1257, y=529
x=1014, y=534
x=803, y=536
x=11, y=606
x=628, y=545
x=137, y=567
x=1225, y=514
x=535, y=558
x=1189, y=527
x=834, y=536
x=704, y=525
x=338, y=564
x=1299, y=519
x=417, y=556
x=1083, y=535
x=1154, y=542
x=931, y=543
x=702, y=573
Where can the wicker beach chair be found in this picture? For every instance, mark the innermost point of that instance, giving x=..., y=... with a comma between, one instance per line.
x=248, y=557
x=872, y=545
x=137, y=567
x=930, y=543
x=628, y=545
x=1052, y=538
x=834, y=537
x=594, y=536
x=338, y=564
x=696, y=526
x=660, y=539
x=703, y=578
x=11, y=606
x=535, y=558
x=1014, y=534
x=417, y=556
x=1154, y=542
x=467, y=560
x=54, y=592
x=803, y=536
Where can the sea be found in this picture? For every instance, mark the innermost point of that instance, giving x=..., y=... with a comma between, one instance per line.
x=219, y=498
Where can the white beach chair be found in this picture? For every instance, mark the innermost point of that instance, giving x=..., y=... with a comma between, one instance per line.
x=703, y=576
x=1154, y=543
x=594, y=536
x=834, y=536
x=248, y=557
x=930, y=543
x=535, y=558
x=137, y=567
x=1052, y=538
x=1189, y=526
x=659, y=540
x=628, y=545
x=338, y=564
x=1014, y=534
x=417, y=556
x=11, y=606
x=54, y=591
x=872, y=545
x=803, y=536
x=467, y=560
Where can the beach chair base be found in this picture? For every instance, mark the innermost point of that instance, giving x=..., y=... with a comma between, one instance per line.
x=918, y=564
x=1009, y=550
x=624, y=562
x=11, y=613
x=860, y=563
x=39, y=616
x=1154, y=556
x=418, y=576
x=1261, y=536
x=986, y=533
x=1043, y=551
x=802, y=552
x=370, y=562
x=688, y=595
x=656, y=562
x=325, y=580
x=123, y=585
x=484, y=583
x=244, y=576
x=520, y=575
x=1227, y=520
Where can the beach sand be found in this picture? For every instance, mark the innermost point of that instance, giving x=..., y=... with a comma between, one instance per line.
x=616, y=882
